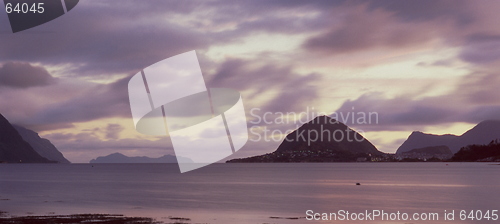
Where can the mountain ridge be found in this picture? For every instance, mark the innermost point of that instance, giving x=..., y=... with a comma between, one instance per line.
x=13, y=148
x=41, y=145
x=482, y=133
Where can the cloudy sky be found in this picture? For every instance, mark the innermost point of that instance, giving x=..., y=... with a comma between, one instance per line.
x=424, y=65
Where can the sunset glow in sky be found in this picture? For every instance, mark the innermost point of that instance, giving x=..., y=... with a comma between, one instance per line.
x=430, y=66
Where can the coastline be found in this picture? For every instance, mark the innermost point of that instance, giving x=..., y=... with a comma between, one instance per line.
x=5, y=217
x=87, y=218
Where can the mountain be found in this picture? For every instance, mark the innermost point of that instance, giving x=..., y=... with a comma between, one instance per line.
x=322, y=139
x=41, y=145
x=482, y=133
x=433, y=150
x=431, y=153
x=13, y=149
x=120, y=158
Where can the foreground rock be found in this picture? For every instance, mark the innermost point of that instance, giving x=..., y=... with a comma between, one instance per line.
x=80, y=218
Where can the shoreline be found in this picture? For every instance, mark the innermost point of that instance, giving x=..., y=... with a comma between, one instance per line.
x=86, y=218
x=108, y=219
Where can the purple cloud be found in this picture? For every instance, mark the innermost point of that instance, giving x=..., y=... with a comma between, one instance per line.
x=481, y=49
x=24, y=75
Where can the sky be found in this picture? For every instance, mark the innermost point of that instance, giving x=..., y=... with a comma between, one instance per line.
x=429, y=66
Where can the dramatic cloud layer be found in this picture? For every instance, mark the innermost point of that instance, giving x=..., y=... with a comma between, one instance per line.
x=295, y=90
x=474, y=99
x=361, y=29
x=418, y=64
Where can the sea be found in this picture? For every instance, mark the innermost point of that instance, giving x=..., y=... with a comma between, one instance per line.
x=259, y=193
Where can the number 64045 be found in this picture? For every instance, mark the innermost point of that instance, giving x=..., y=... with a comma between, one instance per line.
x=24, y=8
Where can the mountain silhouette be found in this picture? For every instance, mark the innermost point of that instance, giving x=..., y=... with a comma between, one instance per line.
x=322, y=139
x=41, y=145
x=13, y=148
x=482, y=133
x=331, y=134
x=120, y=158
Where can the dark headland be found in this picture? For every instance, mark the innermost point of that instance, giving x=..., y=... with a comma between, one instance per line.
x=21, y=145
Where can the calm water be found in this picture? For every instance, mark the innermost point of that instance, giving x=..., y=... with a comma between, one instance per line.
x=250, y=193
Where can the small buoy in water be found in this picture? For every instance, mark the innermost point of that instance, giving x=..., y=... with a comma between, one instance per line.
x=358, y=184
